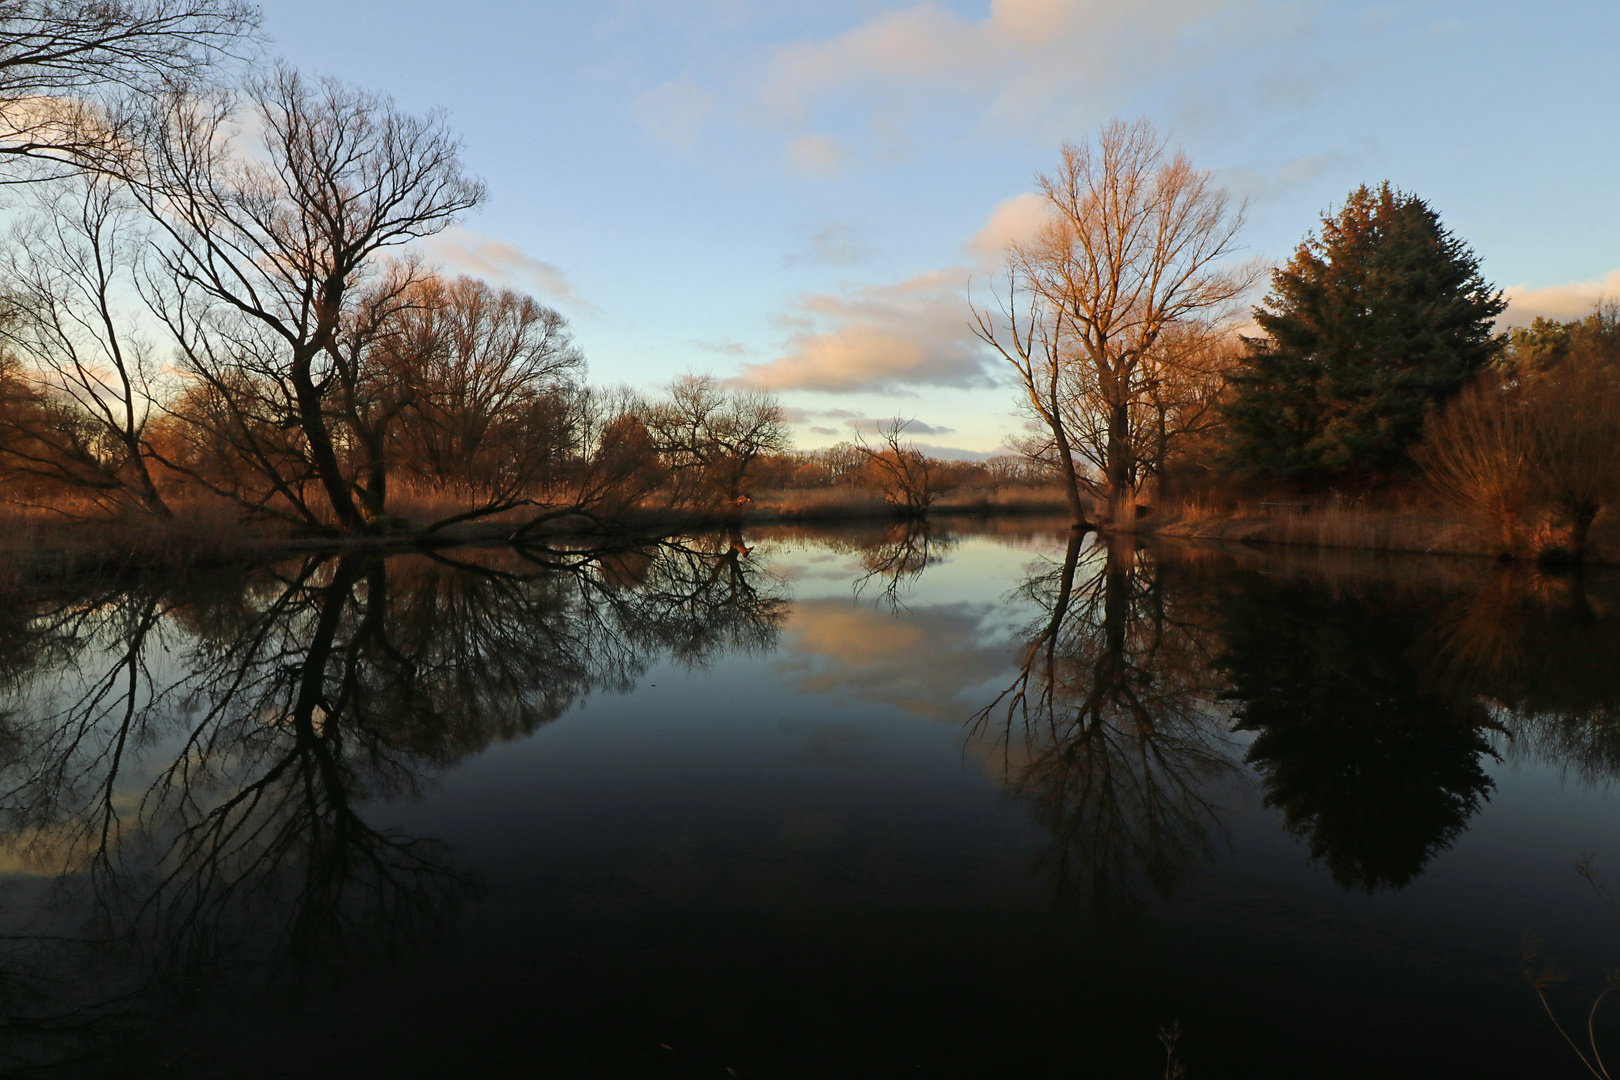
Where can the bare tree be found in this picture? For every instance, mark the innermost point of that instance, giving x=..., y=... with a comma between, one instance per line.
x=902, y=470
x=1578, y=445
x=64, y=65
x=494, y=375
x=712, y=437
x=1131, y=249
x=1532, y=459
x=65, y=272
x=262, y=254
x=1479, y=453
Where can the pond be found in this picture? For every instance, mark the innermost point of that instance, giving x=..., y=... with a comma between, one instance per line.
x=986, y=799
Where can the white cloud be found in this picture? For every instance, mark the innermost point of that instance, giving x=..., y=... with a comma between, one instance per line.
x=821, y=154
x=674, y=112
x=1561, y=302
x=890, y=337
x=463, y=251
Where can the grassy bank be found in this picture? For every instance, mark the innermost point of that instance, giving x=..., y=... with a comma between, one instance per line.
x=39, y=545
x=1411, y=527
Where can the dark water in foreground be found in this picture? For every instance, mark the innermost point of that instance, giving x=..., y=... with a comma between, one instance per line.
x=856, y=803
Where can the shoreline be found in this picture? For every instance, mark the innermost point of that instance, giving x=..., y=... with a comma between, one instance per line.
x=1424, y=531
x=40, y=553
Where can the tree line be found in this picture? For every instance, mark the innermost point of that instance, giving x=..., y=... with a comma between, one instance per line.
x=210, y=293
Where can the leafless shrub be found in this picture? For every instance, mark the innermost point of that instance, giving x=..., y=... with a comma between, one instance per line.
x=1532, y=460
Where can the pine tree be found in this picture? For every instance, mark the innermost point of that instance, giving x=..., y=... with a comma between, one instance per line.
x=1370, y=324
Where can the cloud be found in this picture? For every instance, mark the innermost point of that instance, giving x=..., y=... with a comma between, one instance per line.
x=821, y=154
x=723, y=346
x=674, y=112
x=1561, y=302
x=824, y=430
x=1013, y=221
x=836, y=243
x=1029, y=59
x=889, y=337
x=956, y=453
x=934, y=662
x=1301, y=172
x=869, y=424
x=463, y=251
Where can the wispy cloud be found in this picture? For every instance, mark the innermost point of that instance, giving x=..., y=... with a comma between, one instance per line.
x=837, y=243
x=722, y=346
x=463, y=251
x=1013, y=221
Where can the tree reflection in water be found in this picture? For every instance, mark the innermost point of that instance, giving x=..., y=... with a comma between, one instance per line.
x=186, y=768
x=1540, y=649
x=896, y=559
x=1110, y=732
x=1375, y=706
x=1368, y=760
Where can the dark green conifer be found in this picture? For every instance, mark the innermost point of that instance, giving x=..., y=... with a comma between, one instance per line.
x=1370, y=324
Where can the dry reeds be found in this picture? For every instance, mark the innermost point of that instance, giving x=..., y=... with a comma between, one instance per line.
x=1531, y=462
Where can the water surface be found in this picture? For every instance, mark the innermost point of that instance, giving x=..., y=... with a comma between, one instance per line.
x=980, y=801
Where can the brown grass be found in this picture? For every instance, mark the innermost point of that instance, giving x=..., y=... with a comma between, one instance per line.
x=831, y=503
x=39, y=546
x=1411, y=525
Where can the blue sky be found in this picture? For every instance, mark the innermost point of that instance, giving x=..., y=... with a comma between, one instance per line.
x=802, y=193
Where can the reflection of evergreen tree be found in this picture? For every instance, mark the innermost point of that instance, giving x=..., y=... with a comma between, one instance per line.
x=1375, y=768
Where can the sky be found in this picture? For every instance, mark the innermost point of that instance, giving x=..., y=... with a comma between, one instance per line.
x=804, y=196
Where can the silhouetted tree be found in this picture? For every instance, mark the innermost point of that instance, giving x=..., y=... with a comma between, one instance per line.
x=1375, y=320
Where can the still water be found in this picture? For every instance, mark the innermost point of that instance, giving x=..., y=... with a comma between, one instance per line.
x=985, y=801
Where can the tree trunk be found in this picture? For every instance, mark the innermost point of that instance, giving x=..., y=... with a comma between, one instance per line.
x=1119, y=466
x=1071, y=479
x=146, y=488
x=322, y=454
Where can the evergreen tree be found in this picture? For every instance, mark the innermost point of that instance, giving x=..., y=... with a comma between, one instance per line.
x=1370, y=324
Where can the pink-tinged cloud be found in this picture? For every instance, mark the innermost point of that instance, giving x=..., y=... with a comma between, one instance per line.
x=1560, y=302
x=463, y=251
x=1013, y=221
x=891, y=337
